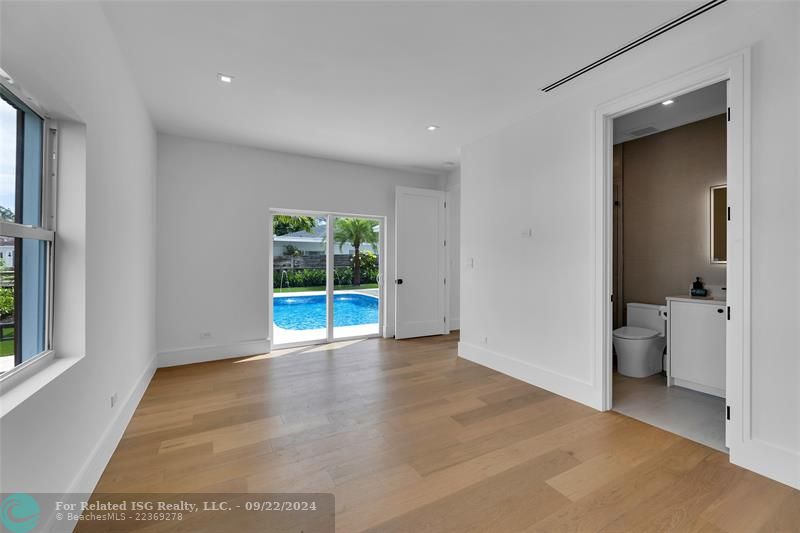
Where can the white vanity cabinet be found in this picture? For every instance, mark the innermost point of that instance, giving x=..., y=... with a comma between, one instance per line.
x=696, y=344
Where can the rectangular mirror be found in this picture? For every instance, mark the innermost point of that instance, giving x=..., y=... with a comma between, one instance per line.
x=719, y=224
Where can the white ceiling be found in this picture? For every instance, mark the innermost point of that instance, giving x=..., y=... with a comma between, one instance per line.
x=685, y=109
x=361, y=81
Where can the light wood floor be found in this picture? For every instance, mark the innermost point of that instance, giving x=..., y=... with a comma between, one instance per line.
x=410, y=438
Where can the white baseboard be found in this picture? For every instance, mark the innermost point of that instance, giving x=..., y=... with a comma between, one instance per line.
x=761, y=457
x=89, y=474
x=202, y=354
x=566, y=386
x=99, y=457
x=768, y=460
x=686, y=384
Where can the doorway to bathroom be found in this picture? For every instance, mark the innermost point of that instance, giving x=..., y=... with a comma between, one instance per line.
x=669, y=264
x=671, y=259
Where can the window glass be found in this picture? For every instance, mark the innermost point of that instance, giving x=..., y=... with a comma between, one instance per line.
x=32, y=283
x=8, y=160
x=7, y=306
x=25, y=246
x=30, y=203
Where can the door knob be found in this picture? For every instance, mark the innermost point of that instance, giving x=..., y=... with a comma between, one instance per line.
x=399, y=281
x=720, y=311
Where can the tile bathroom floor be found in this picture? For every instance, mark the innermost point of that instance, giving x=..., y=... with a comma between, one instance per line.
x=690, y=414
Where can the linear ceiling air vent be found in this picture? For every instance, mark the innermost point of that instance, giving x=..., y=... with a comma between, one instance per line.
x=652, y=34
x=643, y=131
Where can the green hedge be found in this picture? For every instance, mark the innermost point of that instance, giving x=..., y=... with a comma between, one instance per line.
x=311, y=277
x=344, y=276
x=6, y=302
x=315, y=277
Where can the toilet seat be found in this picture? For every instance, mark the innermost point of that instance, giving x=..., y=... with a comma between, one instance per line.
x=635, y=333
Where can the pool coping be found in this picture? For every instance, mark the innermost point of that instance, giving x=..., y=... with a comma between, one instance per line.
x=375, y=294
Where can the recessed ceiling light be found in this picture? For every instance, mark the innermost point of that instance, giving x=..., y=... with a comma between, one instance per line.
x=224, y=78
x=432, y=127
x=668, y=102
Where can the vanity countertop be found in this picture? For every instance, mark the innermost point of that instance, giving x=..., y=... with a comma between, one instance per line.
x=697, y=299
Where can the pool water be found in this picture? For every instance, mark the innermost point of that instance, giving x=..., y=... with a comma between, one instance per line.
x=308, y=312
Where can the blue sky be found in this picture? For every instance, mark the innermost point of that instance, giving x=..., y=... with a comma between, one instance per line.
x=8, y=153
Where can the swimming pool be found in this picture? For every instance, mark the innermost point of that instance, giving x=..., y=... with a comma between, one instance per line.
x=308, y=312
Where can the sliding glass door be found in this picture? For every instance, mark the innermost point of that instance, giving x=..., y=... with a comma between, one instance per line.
x=326, y=271
x=300, y=273
x=356, y=294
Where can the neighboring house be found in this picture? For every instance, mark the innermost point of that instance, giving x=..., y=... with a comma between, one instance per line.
x=7, y=251
x=312, y=243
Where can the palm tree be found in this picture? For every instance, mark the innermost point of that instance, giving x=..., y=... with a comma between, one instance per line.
x=283, y=224
x=356, y=231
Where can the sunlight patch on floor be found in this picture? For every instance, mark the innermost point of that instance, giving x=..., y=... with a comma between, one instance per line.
x=300, y=349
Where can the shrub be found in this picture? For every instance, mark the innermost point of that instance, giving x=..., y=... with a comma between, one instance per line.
x=6, y=302
x=369, y=261
x=312, y=277
x=292, y=250
x=315, y=277
x=368, y=267
x=344, y=275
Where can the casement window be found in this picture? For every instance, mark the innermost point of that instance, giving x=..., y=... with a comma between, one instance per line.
x=27, y=170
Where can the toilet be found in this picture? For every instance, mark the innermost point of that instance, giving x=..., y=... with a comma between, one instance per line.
x=640, y=344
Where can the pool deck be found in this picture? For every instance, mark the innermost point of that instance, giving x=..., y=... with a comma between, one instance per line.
x=369, y=292
x=290, y=336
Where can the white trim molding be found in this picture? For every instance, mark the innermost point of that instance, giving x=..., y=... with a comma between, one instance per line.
x=384, y=327
x=563, y=385
x=203, y=354
x=745, y=449
x=734, y=69
x=91, y=470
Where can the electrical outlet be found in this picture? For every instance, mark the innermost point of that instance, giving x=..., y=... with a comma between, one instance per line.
x=205, y=334
x=113, y=400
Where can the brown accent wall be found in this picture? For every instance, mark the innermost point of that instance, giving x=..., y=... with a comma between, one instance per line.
x=667, y=179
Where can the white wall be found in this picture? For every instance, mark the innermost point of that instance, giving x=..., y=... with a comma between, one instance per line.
x=61, y=437
x=212, y=192
x=451, y=183
x=538, y=174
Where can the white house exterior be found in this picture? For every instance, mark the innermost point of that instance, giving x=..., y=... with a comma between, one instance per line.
x=7, y=251
x=312, y=243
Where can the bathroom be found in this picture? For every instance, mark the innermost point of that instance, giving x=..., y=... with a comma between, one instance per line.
x=669, y=264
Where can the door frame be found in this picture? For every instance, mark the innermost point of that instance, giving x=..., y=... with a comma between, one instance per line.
x=735, y=69
x=329, y=266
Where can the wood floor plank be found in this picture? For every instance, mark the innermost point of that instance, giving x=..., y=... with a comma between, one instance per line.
x=624, y=494
x=762, y=497
x=508, y=501
x=594, y=473
x=409, y=437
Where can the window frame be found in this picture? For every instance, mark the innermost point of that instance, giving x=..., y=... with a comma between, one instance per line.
x=43, y=232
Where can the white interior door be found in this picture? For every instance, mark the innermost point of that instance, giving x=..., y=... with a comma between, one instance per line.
x=420, y=282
